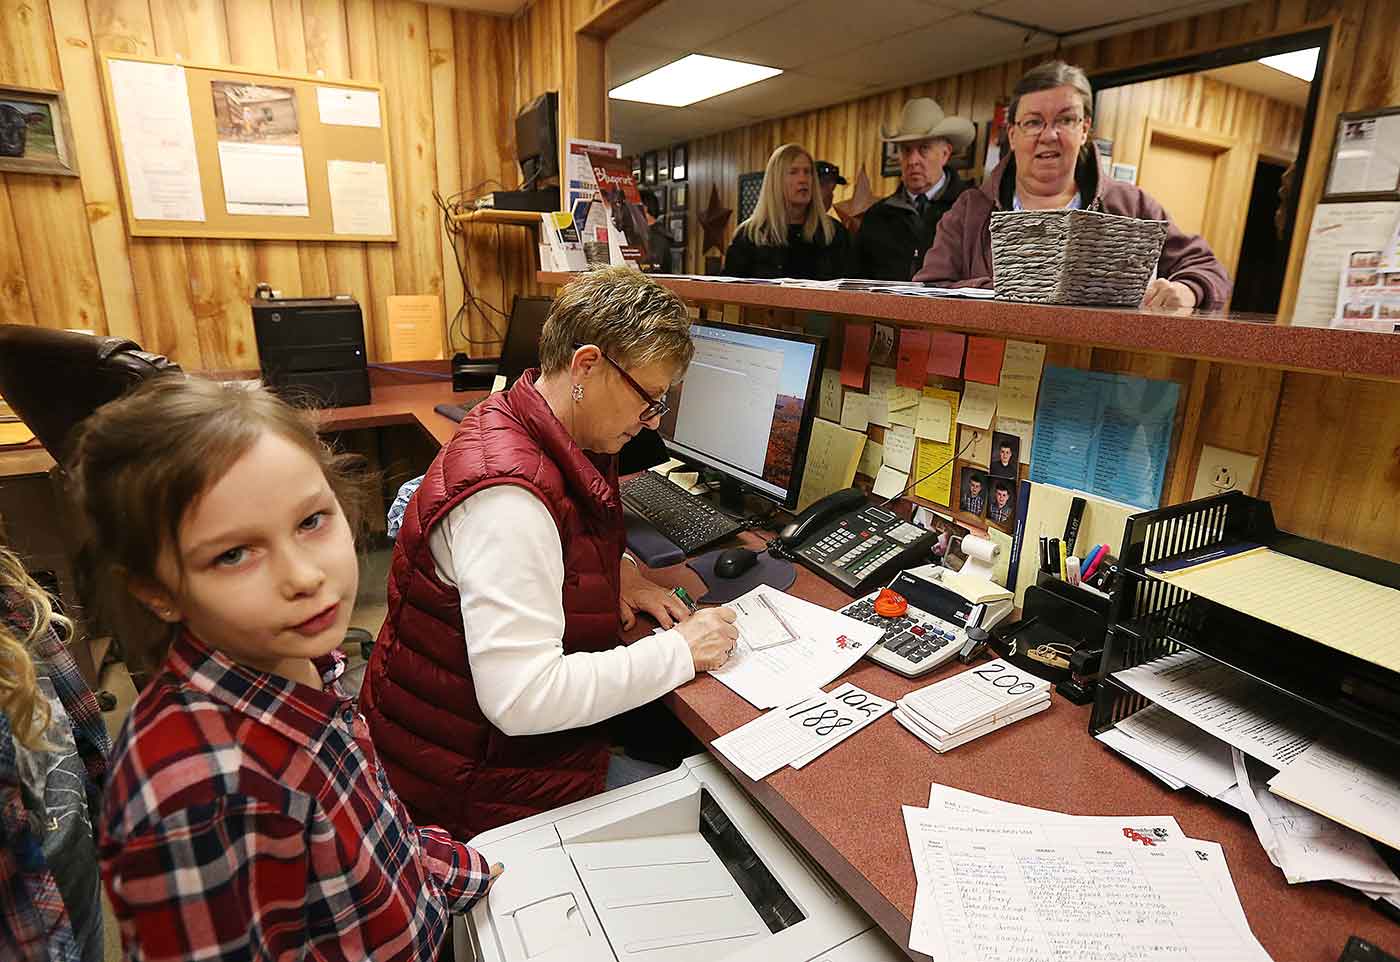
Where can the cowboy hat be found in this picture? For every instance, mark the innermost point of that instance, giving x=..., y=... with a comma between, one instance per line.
x=923, y=119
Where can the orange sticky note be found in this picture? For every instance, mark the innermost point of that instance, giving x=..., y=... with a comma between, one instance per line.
x=855, y=357
x=984, y=359
x=945, y=354
x=913, y=358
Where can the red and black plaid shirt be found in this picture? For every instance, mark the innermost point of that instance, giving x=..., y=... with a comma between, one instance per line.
x=248, y=817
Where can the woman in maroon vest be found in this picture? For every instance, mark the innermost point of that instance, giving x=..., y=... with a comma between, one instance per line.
x=500, y=654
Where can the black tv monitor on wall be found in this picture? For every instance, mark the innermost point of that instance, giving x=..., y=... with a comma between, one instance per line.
x=537, y=138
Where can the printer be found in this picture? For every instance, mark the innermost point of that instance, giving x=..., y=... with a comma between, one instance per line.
x=681, y=867
x=313, y=346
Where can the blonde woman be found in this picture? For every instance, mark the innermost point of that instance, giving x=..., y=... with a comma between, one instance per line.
x=53, y=758
x=788, y=235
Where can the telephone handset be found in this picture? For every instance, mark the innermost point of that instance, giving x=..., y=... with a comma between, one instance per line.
x=853, y=543
x=838, y=502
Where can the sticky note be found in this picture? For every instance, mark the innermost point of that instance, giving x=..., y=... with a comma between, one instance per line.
x=855, y=355
x=1016, y=394
x=935, y=420
x=984, y=359
x=855, y=411
x=829, y=402
x=832, y=456
x=871, y=459
x=945, y=356
x=899, y=448
x=1023, y=357
x=913, y=357
x=934, y=458
x=889, y=483
x=881, y=380
x=979, y=405
x=975, y=446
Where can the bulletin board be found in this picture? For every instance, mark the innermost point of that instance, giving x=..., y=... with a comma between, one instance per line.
x=226, y=162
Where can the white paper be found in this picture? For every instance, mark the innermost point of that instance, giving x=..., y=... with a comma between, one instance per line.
x=899, y=448
x=1228, y=704
x=1367, y=156
x=1107, y=889
x=1360, y=791
x=971, y=697
x=1162, y=740
x=152, y=106
x=1308, y=847
x=359, y=197
x=348, y=107
x=828, y=644
x=770, y=741
x=852, y=702
x=829, y=406
x=1337, y=231
x=760, y=623
x=890, y=482
x=1124, y=746
x=935, y=420
x=263, y=179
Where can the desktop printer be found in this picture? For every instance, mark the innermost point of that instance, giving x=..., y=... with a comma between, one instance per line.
x=681, y=867
x=313, y=346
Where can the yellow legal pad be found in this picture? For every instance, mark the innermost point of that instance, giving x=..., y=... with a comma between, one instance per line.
x=1335, y=609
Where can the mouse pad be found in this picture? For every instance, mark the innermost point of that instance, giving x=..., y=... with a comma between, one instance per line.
x=771, y=571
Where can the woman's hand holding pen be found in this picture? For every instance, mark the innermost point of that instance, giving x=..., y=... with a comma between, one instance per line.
x=711, y=635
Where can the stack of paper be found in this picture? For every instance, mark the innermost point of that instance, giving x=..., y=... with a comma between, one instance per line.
x=1002, y=881
x=797, y=734
x=956, y=710
x=1174, y=750
x=817, y=645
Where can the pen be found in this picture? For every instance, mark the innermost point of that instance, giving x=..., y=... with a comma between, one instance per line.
x=685, y=598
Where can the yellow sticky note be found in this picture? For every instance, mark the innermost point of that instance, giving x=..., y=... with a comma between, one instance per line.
x=979, y=405
x=934, y=456
x=415, y=327
x=1015, y=395
x=829, y=403
x=855, y=412
x=935, y=419
x=832, y=455
x=871, y=458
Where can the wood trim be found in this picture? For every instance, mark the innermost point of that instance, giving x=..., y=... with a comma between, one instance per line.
x=613, y=16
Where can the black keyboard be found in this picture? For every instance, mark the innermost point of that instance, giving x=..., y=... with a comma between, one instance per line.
x=689, y=522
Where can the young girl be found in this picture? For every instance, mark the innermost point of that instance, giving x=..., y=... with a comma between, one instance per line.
x=53, y=756
x=247, y=815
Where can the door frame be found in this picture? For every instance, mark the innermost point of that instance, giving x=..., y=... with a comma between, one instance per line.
x=1222, y=221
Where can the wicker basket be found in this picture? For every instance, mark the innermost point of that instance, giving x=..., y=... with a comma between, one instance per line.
x=1074, y=256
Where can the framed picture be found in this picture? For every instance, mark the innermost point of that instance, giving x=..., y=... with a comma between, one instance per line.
x=889, y=160
x=679, y=196
x=1363, y=165
x=663, y=166
x=678, y=162
x=35, y=136
x=649, y=169
x=1125, y=172
x=661, y=198
x=750, y=185
x=677, y=225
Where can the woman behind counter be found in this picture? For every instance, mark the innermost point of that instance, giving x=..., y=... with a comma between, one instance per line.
x=788, y=235
x=1053, y=165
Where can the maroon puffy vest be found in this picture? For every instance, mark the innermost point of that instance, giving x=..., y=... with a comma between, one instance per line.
x=449, y=764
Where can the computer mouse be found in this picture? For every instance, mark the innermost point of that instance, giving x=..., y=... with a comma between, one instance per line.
x=734, y=562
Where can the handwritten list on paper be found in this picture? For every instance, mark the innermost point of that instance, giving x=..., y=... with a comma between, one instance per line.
x=935, y=458
x=829, y=402
x=935, y=419
x=979, y=405
x=832, y=455
x=899, y=448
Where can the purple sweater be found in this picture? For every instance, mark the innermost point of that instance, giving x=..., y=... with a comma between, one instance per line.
x=961, y=255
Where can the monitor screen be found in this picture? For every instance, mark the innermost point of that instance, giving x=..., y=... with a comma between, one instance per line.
x=746, y=406
x=536, y=138
x=521, y=350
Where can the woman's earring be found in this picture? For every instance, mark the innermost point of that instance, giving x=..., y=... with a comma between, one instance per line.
x=578, y=392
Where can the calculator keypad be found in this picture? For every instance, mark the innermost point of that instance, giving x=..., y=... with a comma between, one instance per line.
x=914, y=643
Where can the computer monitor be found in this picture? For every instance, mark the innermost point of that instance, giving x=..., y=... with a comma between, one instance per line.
x=521, y=350
x=746, y=406
x=537, y=138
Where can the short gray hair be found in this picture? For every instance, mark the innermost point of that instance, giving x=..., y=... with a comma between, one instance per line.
x=1048, y=76
x=630, y=317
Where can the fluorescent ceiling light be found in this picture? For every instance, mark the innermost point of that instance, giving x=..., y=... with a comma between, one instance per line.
x=1299, y=63
x=690, y=80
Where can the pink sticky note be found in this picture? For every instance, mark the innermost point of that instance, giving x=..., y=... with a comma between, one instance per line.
x=946, y=353
x=984, y=359
x=913, y=358
x=855, y=357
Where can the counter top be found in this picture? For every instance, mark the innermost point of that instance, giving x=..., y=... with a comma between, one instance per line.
x=1249, y=339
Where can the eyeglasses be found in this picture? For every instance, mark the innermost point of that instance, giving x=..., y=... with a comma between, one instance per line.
x=656, y=406
x=1035, y=126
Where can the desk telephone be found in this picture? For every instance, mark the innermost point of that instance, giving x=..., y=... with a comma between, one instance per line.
x=852, y=543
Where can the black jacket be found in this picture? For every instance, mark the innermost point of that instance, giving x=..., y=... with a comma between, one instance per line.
x=893, y=239
x=814, y=261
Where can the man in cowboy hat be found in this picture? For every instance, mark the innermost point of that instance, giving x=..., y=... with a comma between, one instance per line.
x=899, y=229
x=828, y=176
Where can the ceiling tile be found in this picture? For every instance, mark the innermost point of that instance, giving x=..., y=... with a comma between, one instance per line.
x=962, y=43
x=815, y=30
x=788, y=93
x=682, y=25
x=628, y=61
x=1070, y=16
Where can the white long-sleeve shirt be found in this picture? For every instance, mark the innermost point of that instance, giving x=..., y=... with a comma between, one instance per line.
x=500, y=548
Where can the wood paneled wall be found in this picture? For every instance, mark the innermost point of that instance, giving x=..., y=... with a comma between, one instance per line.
x=1329, y=447
x=451, y=90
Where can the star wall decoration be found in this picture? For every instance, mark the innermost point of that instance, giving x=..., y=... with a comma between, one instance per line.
x=713, y=221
